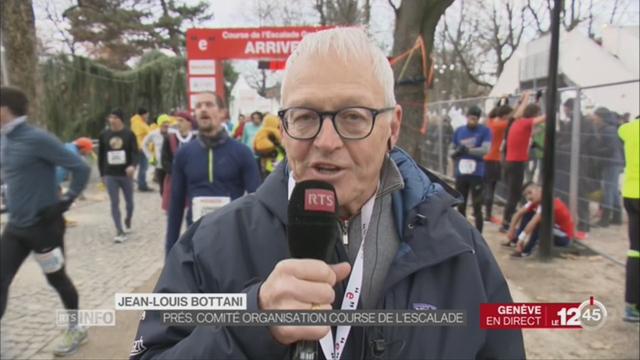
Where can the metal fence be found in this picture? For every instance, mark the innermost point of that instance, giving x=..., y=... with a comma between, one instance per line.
x=588, y=153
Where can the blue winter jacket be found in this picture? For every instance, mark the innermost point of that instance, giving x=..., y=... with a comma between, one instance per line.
x=442, y=261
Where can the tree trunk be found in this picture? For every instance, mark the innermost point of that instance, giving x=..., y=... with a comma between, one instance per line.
x=413, y=18
x=19, y=37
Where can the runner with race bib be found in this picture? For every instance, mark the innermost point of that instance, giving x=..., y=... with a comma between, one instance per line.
x=117, y=161
x=470, y=144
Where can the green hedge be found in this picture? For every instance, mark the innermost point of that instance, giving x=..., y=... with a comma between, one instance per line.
x=79, y=93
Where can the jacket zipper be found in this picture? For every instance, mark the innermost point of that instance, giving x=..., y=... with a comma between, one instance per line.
x=210, y=165
x=345, y=232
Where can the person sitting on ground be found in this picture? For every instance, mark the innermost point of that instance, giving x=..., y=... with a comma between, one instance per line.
x=267, y=145
x=527, y=221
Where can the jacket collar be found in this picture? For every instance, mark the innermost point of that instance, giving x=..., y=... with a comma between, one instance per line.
x=8, y=127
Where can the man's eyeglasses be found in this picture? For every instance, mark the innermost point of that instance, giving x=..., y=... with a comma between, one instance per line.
x=354, y=123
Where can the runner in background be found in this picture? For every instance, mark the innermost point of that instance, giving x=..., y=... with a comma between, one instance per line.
x=213, y=166
x=141, y=129
x=117, y=160
x=586, y=166
x=268, y=145
x=83, y=147
x=251, y=129
x=518, y=143
x=631, y=193
x=154, y=141
x=184, y=133
x=470, y=144
x=609, y=153
x=29, y=159
x=238, y=130
x=493, y=160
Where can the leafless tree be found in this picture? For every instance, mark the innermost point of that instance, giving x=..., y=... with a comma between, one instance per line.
x=486, y=40
x=414, y=18
x=343, y=12
x=55, y=17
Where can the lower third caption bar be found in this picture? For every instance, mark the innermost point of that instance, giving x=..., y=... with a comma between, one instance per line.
x=321, y=318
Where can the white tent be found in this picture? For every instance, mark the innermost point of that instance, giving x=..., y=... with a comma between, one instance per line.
x=245, y=100
x=583, y=63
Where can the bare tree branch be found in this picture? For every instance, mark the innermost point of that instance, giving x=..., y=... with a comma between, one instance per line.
x=535, y=17
x=367, y=11
x=51, y=16
x=590, y=26
x=319, y=6
x=459, y=53
x=613, y=11
x=393, y=6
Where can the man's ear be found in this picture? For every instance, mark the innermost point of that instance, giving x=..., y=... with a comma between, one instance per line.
x=396, y=123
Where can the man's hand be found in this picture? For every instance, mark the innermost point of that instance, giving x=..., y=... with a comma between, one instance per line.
x=460, y=151
x=130, y=171
x=301, y=284
x=57, y=209
x=511, y=235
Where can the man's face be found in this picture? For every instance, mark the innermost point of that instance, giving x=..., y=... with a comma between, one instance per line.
x=164, y=128
x=472, y=121
x=568, y=112
x=115, y=123
x=5, y=115
x=351, y=166
x=241, y=119
x=533, y=194
x=208, y=114
x=597, y=120
x=145, y=117
x=184, y=125
x=256, y=119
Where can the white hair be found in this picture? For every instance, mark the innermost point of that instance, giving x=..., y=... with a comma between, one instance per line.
x=347, y=44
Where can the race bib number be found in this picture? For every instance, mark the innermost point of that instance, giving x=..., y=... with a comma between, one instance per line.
x=116, y=157
x=466, y=166
x=51, y=261
x=202, y=205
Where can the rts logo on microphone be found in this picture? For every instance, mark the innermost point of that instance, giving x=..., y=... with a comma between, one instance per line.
x=319, y=200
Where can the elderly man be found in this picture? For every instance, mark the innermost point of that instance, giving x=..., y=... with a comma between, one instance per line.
x=340, y=125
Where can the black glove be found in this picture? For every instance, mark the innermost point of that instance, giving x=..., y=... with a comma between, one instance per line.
x=460, y=151
x=54, y=210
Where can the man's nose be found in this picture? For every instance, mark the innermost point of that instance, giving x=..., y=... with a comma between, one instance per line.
x=328, y=138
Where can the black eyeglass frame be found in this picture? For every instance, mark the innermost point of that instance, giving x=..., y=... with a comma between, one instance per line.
x=332, y=114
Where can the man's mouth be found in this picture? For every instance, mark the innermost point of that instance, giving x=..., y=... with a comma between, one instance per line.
x=326, y=169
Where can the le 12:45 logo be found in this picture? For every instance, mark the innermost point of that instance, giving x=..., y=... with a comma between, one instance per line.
x=590, y=315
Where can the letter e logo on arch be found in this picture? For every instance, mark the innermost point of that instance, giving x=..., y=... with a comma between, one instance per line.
x=202, y=44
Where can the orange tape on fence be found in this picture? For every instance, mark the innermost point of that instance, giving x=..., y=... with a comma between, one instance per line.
x=428, y=75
